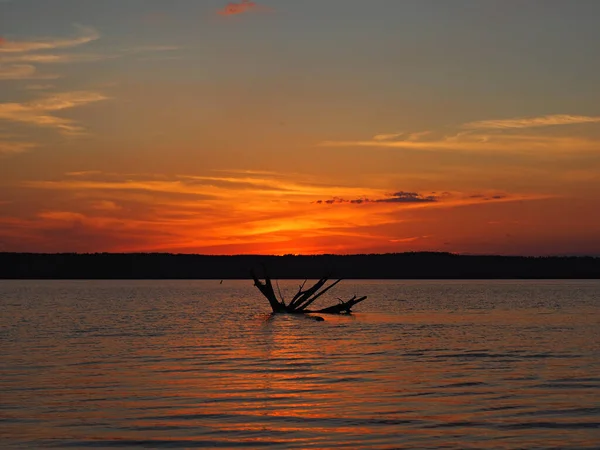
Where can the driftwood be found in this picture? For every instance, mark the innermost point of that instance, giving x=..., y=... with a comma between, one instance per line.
x=304, y=297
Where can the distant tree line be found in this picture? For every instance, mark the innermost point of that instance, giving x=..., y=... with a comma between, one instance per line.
x=375, y=266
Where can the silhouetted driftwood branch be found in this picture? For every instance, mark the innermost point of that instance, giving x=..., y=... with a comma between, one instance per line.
x=343, y=307
x=266, y=289
x=303, y=298
x=316, y=296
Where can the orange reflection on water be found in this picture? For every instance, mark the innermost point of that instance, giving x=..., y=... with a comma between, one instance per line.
x=195, y=374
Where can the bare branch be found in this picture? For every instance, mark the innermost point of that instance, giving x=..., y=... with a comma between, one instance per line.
x=299, y=293
x=301, y=307
x=303, y=298
x=280, y=296
x=342, y=307
x=308, y=293
x=266, y=289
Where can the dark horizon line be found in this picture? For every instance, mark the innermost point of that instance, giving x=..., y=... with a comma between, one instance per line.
x=409, y=265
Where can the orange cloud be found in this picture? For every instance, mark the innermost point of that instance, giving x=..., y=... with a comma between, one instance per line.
x=8, y=147
x=86, y=35
x=38, y=112
x=244, y=6
x=479, y=142
x=240, y=212
x=532, y=122
x=502, y=135
x=22, y=72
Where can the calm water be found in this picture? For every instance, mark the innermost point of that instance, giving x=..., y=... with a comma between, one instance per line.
x=184, y=364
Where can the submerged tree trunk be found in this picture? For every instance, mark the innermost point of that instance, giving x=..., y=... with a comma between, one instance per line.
x=304, y=297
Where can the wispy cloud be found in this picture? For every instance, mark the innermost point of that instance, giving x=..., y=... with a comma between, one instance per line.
x=85, y=35
x=259, y=191
x=37, y=112
x=11, y=147
x=15, y=72
x=435, y=200
x=17, y=57
x=105, y=205
x=244, y=6
x=260, y=187
x=532, y=122
x=387, y=136
x=400, y=136
x=83, y=173
x=38, y=87
x=488, y=135
x=481, y=143
x=244, y=213
x=268, y=173
x=49, y=58
x=271, y=210
x=22, y=72
x=61, y=58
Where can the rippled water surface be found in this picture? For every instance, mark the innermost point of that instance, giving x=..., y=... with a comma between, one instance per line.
x=185, y=364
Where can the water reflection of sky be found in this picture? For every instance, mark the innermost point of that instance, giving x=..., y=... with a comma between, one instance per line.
x=189, y=364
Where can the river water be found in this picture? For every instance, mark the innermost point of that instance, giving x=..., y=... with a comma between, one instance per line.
x=192, y=364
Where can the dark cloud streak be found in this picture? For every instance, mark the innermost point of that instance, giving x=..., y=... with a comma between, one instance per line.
x=396, y=197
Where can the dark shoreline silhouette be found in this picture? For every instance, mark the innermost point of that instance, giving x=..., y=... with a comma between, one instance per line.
x=374, y=266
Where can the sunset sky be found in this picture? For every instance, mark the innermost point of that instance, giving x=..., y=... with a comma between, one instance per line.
x=300, y=126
